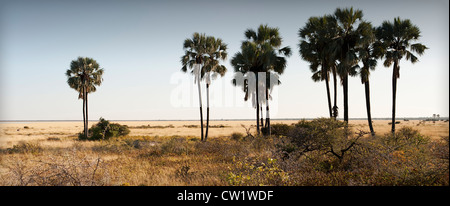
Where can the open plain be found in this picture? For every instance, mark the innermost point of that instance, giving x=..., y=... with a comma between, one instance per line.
x=13, y=132
x=171, y=153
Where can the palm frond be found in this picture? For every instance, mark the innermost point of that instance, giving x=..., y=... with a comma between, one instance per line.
x=411, y=57
x=418, y=48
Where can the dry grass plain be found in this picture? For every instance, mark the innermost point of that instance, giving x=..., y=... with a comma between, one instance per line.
x=12, y=133
x=162, y=153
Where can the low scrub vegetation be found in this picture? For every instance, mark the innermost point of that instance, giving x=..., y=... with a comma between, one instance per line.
x=318, y=152
x=105, y=130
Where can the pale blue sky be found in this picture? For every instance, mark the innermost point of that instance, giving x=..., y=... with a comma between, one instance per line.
x=139, y=45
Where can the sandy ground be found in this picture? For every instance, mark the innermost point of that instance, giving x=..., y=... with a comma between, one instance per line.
x=12, y=133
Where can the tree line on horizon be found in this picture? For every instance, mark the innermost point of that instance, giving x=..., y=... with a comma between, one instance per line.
x=333, y=44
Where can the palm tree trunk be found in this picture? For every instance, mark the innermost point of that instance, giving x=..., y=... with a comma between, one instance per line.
x=87, y=116
x=207, y=111
x=84, y=114
x=328, y=95
x=394, y=93
x=261, y=117
x=200, y=102
x=369, y=116
x=267, y=112
x=346, y=98
x=257, y=105
x=335, y=112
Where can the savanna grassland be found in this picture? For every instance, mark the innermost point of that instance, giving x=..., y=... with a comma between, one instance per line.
x=317, y=152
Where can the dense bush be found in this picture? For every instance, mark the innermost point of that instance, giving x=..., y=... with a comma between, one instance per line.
x=405, y=158
x=327, y=152
x=105, y=130
x=403, y=138
x=280, y=129
x=237, y=136
x=324, y=135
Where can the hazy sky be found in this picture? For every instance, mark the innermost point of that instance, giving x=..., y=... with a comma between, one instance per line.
x=139, y=45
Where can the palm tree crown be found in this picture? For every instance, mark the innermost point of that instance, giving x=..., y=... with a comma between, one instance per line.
x=84, y=71
x=195, y=52
x=396, y=38
x=346, y=39
x=216, y=50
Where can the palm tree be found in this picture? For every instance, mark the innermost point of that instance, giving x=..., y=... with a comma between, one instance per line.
x=396, y=38
x=369, y=50
x=216, y=50
x=344, y=46
x=259, y=53
x=194, y=58
x=314, y=47
x=248, y=60
x=247, y=83
x=83, y=76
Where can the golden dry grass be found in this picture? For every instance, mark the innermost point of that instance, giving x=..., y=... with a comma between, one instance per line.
x=12, y=133
x=154, y=153
x=434, y=130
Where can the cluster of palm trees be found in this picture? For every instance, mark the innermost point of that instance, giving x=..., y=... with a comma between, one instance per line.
x=334, y=45
x=260, y=53
x=202, y=56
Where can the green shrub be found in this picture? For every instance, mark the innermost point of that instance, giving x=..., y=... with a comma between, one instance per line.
x=285, y=148
x=237, y=136
x=280, y=129
x=404, y=137
x=318, y=134
x=105, y=130
x=323, y=136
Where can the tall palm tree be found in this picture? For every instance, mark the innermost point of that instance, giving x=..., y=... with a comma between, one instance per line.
x=369, y=50
x=245, y=61
x=216, y=50
x=316, y=37
x=194, y=58
x=396, y=38
x=261, y=52
x=84, y=76
x=247, y=83
x=348, y=29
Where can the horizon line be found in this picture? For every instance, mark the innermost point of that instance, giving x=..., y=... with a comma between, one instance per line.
x=306, y=118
